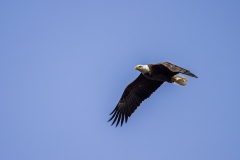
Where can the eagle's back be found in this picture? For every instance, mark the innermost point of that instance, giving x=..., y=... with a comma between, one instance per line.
x=159, y=72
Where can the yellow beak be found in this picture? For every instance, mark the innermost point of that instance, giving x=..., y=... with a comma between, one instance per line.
x=136, y=67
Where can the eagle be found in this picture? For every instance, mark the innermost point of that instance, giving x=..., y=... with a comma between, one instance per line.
x=152, y=76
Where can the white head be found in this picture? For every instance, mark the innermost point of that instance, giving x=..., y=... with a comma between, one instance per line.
x=142, y=68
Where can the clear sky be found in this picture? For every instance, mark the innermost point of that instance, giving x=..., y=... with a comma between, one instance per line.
x=65, y=64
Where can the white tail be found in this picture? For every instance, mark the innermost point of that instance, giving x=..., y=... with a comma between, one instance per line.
x=182, y=81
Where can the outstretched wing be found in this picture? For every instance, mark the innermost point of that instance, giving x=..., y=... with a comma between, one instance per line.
x=177, y=69
x=136, y=92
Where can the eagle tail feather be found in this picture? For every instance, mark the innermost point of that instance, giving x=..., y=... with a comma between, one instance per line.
x=180, y=80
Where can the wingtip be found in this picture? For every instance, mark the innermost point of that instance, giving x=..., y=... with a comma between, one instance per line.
x=112, y=112
x=195, y=76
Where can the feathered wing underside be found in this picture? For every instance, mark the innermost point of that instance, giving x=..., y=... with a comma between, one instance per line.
x=136, y=92
x=177, y=69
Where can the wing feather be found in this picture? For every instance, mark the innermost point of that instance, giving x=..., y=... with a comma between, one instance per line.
x=119, y=117
x=115, y=117
x=122, y=119
x=177, y=69
x=136, y=92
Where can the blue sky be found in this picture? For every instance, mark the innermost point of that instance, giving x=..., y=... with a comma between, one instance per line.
x=65, y=64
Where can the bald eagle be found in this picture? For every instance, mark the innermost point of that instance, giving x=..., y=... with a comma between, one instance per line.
x=151, y=77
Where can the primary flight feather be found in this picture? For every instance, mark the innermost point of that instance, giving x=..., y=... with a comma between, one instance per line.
x=151, y=77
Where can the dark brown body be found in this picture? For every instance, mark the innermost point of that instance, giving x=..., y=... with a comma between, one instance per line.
x=165, y=71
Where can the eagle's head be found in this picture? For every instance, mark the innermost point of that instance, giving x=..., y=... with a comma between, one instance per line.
x=142, y=68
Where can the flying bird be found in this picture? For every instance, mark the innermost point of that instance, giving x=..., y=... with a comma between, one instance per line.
x=152, y=76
